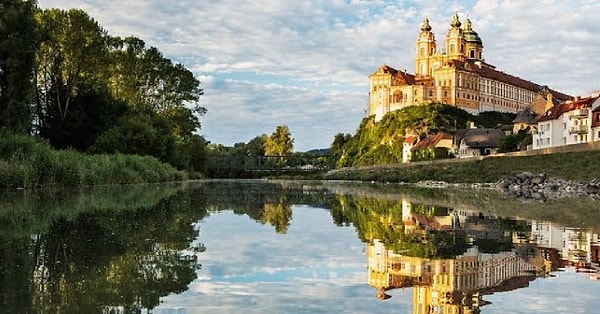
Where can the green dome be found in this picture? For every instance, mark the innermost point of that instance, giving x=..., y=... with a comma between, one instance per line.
x=470, y=35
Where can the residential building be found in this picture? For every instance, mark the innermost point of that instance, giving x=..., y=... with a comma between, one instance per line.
x=433, y=147
x=477, y=142
x=407, y=146
x=569, y=122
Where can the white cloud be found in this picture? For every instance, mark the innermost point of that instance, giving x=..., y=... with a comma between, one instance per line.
x=318, y=53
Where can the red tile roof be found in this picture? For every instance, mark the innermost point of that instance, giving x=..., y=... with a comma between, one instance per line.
x=410, y=140
x=556, y=111
x=432, y=141
x=408, y=78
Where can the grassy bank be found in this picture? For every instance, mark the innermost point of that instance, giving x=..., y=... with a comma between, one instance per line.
x=570, y=166
x=28, y=162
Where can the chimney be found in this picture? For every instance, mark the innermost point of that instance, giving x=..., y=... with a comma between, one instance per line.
x=549, y=102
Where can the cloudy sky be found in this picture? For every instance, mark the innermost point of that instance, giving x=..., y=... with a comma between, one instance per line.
x=305, y=64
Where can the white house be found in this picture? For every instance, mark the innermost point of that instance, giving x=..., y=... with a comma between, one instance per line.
x=571, y=122
x=407, y=146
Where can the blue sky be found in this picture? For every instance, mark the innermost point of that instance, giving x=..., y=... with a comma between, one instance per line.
x=305, y=64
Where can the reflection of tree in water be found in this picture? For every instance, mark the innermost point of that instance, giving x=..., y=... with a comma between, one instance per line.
x=277, y=214
x=104, y=259
x=382, y=219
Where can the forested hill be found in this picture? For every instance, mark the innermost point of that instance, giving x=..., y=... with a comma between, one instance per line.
x=381, y=142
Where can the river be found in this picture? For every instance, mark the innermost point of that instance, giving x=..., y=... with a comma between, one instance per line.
x=262, y=246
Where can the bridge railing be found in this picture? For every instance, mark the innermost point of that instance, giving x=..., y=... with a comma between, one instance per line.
x=236, y=164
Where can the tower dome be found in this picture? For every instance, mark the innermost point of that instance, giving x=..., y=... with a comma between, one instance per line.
x=455, y=21
x=470, y=35
x=425, y=27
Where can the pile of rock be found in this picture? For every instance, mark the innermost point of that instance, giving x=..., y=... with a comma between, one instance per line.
x=539, y=187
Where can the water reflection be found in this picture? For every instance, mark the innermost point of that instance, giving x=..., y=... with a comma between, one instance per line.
x=117, y=250
x=452, y=258
x=93, y=251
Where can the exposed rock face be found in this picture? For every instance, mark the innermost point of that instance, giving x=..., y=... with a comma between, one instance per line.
x=537, y=186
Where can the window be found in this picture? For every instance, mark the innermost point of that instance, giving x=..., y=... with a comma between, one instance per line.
x=472, y=53
x=452, y=48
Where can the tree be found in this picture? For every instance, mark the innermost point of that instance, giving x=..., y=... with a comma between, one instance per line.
x=148, y=81
x=515, y=142
x=140, y=134
x=337, y=146
x=256, y=146
x=280, y=143
x=72, y=59
x=18, y=43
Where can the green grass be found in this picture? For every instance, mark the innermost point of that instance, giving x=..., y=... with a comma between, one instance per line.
x=570, y=166
x=28, y=162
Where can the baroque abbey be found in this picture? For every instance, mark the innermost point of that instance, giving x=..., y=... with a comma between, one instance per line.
x=456, y=75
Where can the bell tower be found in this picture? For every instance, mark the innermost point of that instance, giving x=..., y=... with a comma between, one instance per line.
x=455, y=45
x=426, y=47
x=473, y=43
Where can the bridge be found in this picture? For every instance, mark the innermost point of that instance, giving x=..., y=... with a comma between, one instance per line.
x=256, y=166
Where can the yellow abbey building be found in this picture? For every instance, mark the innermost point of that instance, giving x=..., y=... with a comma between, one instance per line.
x=456, y=75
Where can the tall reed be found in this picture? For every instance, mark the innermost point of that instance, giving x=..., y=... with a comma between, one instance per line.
x=29, y=162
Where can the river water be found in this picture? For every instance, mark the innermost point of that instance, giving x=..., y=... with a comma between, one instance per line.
x=295, y=247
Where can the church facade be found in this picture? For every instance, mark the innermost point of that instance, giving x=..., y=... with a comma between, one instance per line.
x=455, y=75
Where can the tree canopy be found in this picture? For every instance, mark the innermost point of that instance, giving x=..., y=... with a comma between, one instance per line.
x=64, y=78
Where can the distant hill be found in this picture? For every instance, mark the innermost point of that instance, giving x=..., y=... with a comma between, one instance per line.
x=318, y=152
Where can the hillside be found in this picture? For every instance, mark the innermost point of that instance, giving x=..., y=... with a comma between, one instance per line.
x=377, y=143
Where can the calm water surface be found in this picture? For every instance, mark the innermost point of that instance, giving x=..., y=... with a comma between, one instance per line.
x=295, y=247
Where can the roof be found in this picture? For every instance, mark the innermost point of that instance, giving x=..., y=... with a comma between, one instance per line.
x=526, y=116
x=410, y=140
x=408, y=78
x=557, y=110
x=432, y=141
x=490, y=72
x=479, y=138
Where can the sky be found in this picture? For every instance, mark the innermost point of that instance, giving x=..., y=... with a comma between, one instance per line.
x=305, y=64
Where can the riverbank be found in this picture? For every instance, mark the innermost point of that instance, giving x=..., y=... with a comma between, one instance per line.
x=535, y=177
x=568, y=166
x=28, y=162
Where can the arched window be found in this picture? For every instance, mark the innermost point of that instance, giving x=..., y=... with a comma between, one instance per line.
x=452, y=48
x=422, y=52
x=472, y=53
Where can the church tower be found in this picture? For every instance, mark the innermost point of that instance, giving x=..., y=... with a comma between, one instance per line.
x=426, y=47
x=455, y=44
x=473, y=44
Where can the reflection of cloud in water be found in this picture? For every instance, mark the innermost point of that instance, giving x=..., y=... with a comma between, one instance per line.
x=248, y=266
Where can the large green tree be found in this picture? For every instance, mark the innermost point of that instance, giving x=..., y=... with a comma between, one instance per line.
x=72, y=61
x=280, y=143
x=149, y=81
x=18, y=42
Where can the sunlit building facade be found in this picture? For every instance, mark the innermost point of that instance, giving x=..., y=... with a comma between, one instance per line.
x=456, y=74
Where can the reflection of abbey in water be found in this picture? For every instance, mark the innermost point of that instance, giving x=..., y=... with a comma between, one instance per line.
x=455, y=284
